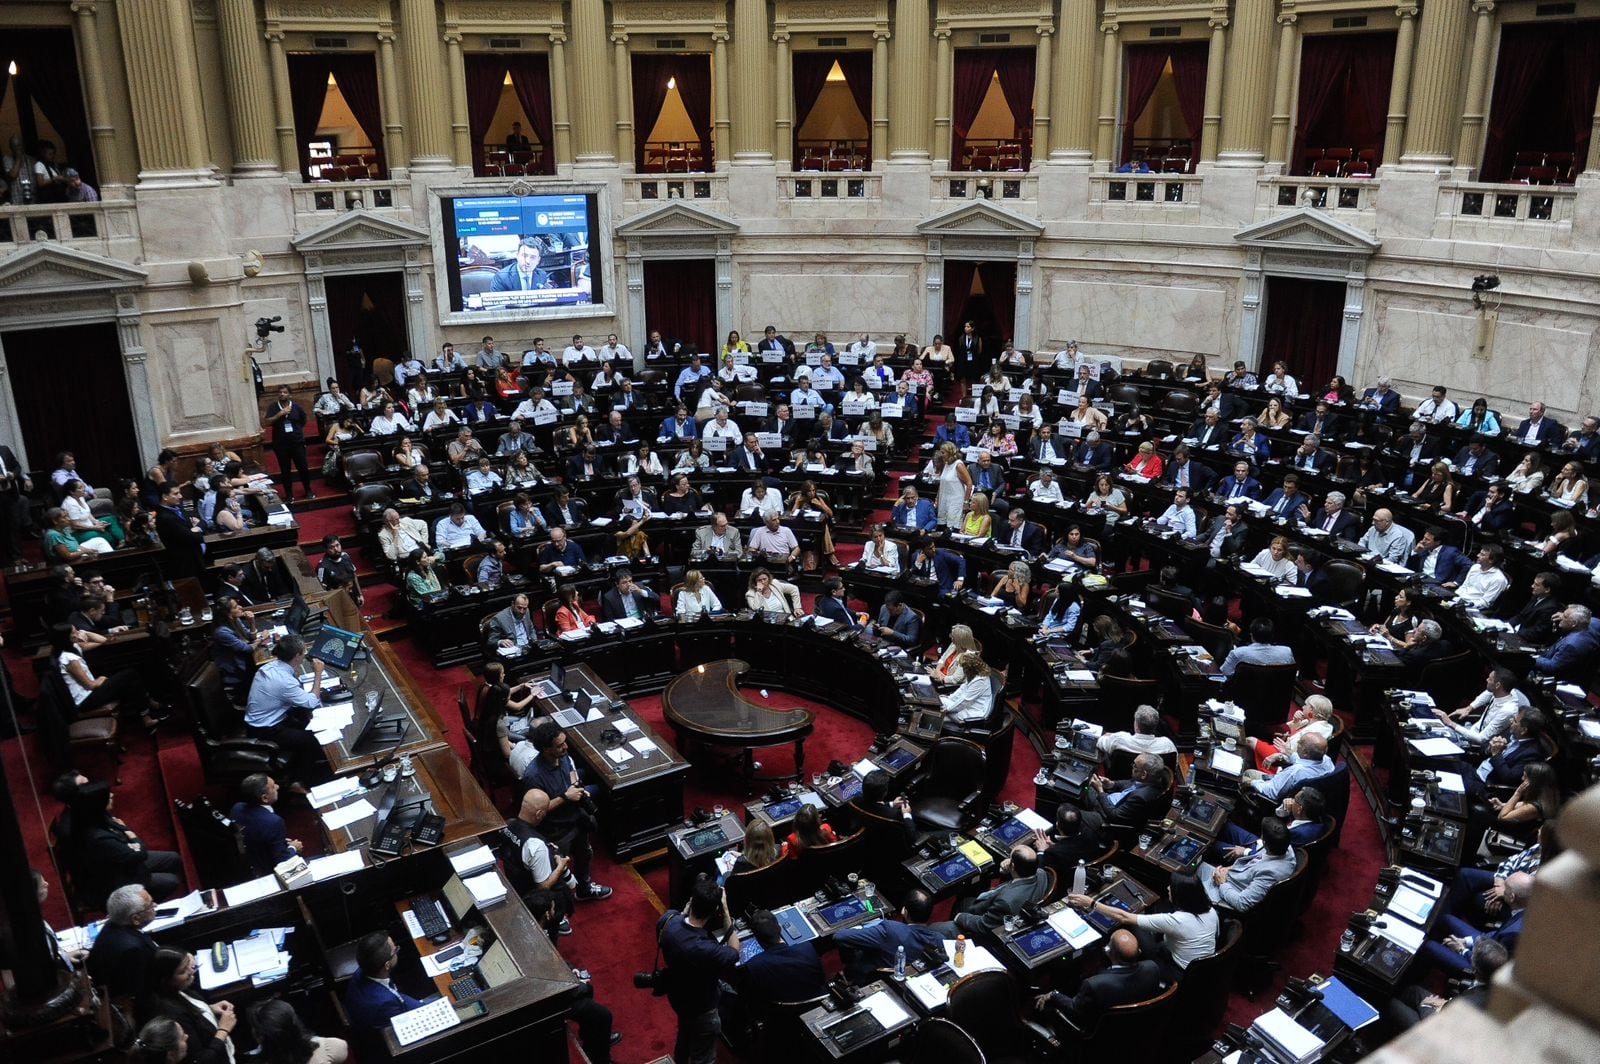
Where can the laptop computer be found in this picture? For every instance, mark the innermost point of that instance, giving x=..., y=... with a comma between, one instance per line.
x=555, y=685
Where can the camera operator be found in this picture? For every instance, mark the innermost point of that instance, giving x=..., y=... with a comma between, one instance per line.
x=569, y=818
x=696, y=965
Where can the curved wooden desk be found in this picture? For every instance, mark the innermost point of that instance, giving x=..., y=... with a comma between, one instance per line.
x=706, y=709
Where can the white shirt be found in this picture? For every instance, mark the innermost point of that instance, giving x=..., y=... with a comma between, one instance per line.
x=693, y=604
x=79, y=692
x=969, y=702
x=1481, y=586
x=889, y=558
x=1180, y=521
x=1135, y=743
x=716, y=430
x=1440, y=412
x=1287, y=386
x=577, y=354
x=867, y=351
x=388, y=426
x=448, y=534
x=1043, y=492
x=527, y=410
x=611, y=354
x=1497, y=714
x=711, y=398
x=436, y=420
x=765, y=507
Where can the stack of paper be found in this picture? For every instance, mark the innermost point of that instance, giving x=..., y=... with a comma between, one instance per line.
x=346, y=815
x=1291, y=1041
x=487, y=889
x=186, y=906
x=1075, y=929
x=1400, y=933
x=337, y=864
x=250, y=890
x=324, y=794
x=1435, y=747
x=466, y=862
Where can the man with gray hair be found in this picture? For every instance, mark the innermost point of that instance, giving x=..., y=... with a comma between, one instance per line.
x=1423, y=646
x=1382, y=398
x=1577, y=650
x=1333, y=518
x=1389, y=541
x=1144, y=739
x=1309, y=762
x=1092, y=454
x=1134, y=801
x=123, y=950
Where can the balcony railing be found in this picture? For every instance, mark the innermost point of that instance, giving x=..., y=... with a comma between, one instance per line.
x=106, y=228
x=1169, y=191
x=1278, y=194
x=808, y=186
x=339, y=197
x=650, y=189
x=968, y=184
x=1469, y=201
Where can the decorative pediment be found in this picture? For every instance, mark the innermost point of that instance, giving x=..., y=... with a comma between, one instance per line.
x=678, y=219
x=359, y=230
x=49, y=268
x=1307, y=229
x=980, y=218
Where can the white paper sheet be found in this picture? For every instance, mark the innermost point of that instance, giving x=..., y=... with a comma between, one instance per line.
x=1411, y=904
x=1452, y=782
x=255, y=954
x=359, y=809
x=1075, y=929
x=188, y=905
x=1435, y=747
x=619, y=755
x=211, y=979
x=465, y=862
x=885, y=1008
x=1401, y=933
x=644, y=745
x=1033, y=820
x=325, y=794
x=250, y=890
x=336, y=865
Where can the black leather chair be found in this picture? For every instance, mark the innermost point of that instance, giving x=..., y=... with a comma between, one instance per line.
x=1345, y=583
x=1124, y=1032
x=938, y=1041
x=1335, y=788
x=986, y=1006
x=371, y=498
x=1264, y=693
x=1158, y=369
x=1318, y=850
x=1270, y=926
x=775, y=1032
x=1169, y=603
x=1202, y=998
x=1453, y=680
x=217, y=846
x=361, y=466
x=1217, y=640
x=1120, y=697
x=762, y=888
x=948, y=791
x=227, y=755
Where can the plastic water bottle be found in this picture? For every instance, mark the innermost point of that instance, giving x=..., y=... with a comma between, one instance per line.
x=961, y=951
x=1347, y=940
x=1080, y=879
x=899, y=964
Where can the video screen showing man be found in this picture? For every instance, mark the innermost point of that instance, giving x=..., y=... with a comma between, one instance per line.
x=523, y=252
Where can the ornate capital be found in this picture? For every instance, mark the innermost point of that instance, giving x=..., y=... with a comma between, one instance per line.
x=558, y=36
x=720, y=36
x=1045, y=30
x=386, y=36
x=1109, y=26
x=452, y=38
x=86, y=8
x=1217, y=22
x=780, y=37
x=619, y=37
x=275, y=36
x=881, y=35
x=1479, y=7
x=1408, y=9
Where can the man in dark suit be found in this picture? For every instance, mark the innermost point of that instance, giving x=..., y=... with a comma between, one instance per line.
x=627, y=599
x=1381, y=397
x=948, y=568
x=1023, y=533
x=123, y=950
x=1076, y=838
x=1184, y=472
x=1132, y=802
x=1489, y=510
x=1225, y=536
x=1084, y=385
x=287, y=420
x=586, y=465
x=772, y=340
x=988, y=477
x=1584, y=443
x=420, y=485
x=180, y=535
x=1092, y=453
x=266, y=838
x=267, y=577
x=1508, y=757
x=1333, y=518
x=874, y=799
x=522, y=274
x=1424, y=646
x=1241, y=485
x=1536, y=430
x=1209, y=431
x=565, y=510
x=1536, y=621
x=1024, y=884
x=1437, y=560
x=1454, y=954
x=1418, y=450
x=750, y=458
x=830, y=605
x=1309, y=455
x=1227, y=405
x=371, y=999
x=780, y=972
x=513, y=626
x=1045, y=447
x=1289, y=502
x=897, y=622
x=1302, y=811
x=1130, y=979
x=15, y=485
x=1309, y=574
x=1322, y=422
x=516, y=140
x=1476, y=460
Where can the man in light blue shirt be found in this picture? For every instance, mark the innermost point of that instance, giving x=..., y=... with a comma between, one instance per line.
x=690, y=377
x=275, y=693
x=460, y=529
x=1261, y=650
x=1387, y=540
x=1311, y=762
x=827, y=375
x=1180, y=515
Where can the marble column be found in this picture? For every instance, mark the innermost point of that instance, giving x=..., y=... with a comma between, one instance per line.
x=430, y=141
x=783, y=101
x=1435, y=113
x=1592, y=163
x=1279, y=142
x=1105, y=140
x=1071, y=116
x=880, y=96
x=752, y=104
x=394, y=126
x=943, y=95
x=164, y=91
x=909, y=65
x=1405, y=49
x=1244, y=89
x=460, y=124
x=594, y=130
x=283, y=102
x=136, y=371
x=1042, y=117
x=1470, y=143
x=624, y=75
x=106, y=152
x=560, y=112
x=245, y=72
x=1216, y=61
x=720, y=105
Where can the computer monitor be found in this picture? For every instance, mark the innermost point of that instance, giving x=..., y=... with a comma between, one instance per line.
x=1011, y=830
x=706, y=838
x=376, y=728
x=951, y=869
x=458, y=898
x=897, y=758
x=1184, y=851
x=335, y=646
x=778, y=812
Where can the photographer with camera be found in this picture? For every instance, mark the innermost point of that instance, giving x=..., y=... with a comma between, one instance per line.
x=696, y=965
x=570, y=816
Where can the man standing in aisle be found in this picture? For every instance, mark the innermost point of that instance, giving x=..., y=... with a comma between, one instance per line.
x=288, y=421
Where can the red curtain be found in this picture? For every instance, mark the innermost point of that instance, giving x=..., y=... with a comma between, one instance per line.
x=357, y=76
x=1000, y=285
x=1524, y=53
x=105, y=442
x=1303, y=323
x=694, y=87
x=858, y=74
x=680, y=299
x=974, y=70
x=1580, y=48
x=530, y=79
x=486, y=76
x=810, y=78
x=651, y=72
x=1367, y=93
x=1324, y=68
x=957, y=287
x=1016, y=69
x=1189, y=63
x=1145, y=64
x=48, y=61
x=308, y=91
x=1344, y=93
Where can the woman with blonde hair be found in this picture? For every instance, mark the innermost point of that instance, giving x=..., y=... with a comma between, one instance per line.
x=1314, y=718
x=973, y=700
x=696, y=598
x=946, y=668
x=978, y=523
x=1570, y=486
x=955, y=485
x=759, y=850
x=1274, y=558
x=1015, y=586
x=1438, y=491
x=1274, y=416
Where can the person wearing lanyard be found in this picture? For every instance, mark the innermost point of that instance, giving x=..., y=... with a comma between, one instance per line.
x=371, y=999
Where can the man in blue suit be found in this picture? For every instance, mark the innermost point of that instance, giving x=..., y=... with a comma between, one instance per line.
x=1490, y=510
x=1577, y=650
x=951, y=432
x=1536, y=430
x=371, y=998
x=1382, y=398
x=266, y=840
x=830, y=605
x=897, y=622
x=933, y=562
x=1241, y=485
x=1092, y=453
x=1437, y=560
x=1509, y=756
x=680, y=426
x=1289, y=502
x=1454, y=954
x=1303, y=810
x=522, y=274
x=913, y=512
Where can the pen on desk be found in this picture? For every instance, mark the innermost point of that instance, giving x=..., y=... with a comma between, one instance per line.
x=362, y=841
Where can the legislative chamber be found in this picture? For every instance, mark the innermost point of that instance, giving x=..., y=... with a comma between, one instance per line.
x=799, y=530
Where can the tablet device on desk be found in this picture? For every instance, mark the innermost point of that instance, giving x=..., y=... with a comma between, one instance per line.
x=855, y=1029
x=1039, y=941
x=705, y=839
x=796, y=928
x=780, y=811
x=951, y=869
x=335, y=646
x=838, y=913
x=850, y=787
x=1182, y=851
x=1011, y=830
x=897, y=758
x=1200, y=811
x=1117, y=898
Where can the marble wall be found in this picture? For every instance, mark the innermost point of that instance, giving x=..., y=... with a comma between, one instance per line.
x=1136, y=315
x=818, y=293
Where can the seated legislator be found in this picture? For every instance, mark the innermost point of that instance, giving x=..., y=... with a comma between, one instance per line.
x=871, y=949
x=625, y=599
x=1173, y=939
x=103, y=855
x=1241, y=885
x=1310, y=456
x=913, y=512
x=1310, y=761
x=1261, y=650
x=1437, y=560
x=560, y=552
x=120, y=957
x=831, y=605
x=719, y=538
x=1302, y=812
x=570, y=615
x=810, y=831
x=1315, y=717
x=780, y=972
x=1391, y=542
x=897, y=622
x=278, y=709
x=1131, y=978
x=879, y=553
x=460, y=529
x=1453, y=955
x=1075, y=837
x=170, y=993
x=1023, y=883
x=266, y=839
x=565, y=510
x=401, y=537
x=1333, y=518
x=371, y=999
x=946, y=670
x=1241, y=485
x=973, y=701
x=1486, y=581
x=1288, y=502
x=1184, y=472
x=1179, y=517
x=945, y=567
x=696, y=598
x=1146, y=737
x=1024, y=534
x=773, y=543
x=1134, y=801
x=1576, y=653
x=513, y=626
x=1490, y=510
x=766, y=594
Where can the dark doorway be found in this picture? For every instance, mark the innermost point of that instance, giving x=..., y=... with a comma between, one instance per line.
x=984, y=293
x=680, y=302
x=369, y=311
x=1303, y=322
x=104, y=442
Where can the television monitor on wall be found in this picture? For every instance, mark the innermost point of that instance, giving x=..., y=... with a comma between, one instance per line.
x=522, y=256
